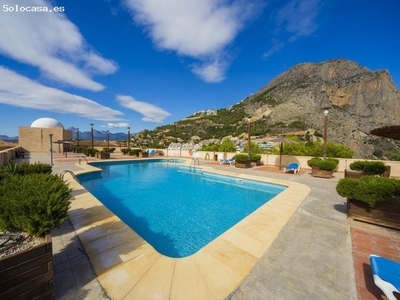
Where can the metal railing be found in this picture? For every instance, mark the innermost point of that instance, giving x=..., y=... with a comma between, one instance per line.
x=70, y=172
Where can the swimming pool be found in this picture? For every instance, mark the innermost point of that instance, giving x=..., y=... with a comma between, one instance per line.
x=178, y=210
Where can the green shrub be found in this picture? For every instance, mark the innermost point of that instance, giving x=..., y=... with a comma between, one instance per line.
x=36, y=168
x=108, y=150
x=254, y=148
x=34, y=203
x=369, y=189
x=79, y=149
x=369, y=167
x=333, y=159
x=90, y=151
x=125, y=151
x=10, y=169
x=313, y=161
x=393, y=155
x=328, y=164
x=135, y=152
x=227, y=145
x=24, y=169
x=241, y=158
x=255, y=157
x=211, y=147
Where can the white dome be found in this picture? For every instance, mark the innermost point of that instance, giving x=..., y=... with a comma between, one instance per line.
x=47, y=123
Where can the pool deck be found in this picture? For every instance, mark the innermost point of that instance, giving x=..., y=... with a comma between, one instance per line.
x=299, y=245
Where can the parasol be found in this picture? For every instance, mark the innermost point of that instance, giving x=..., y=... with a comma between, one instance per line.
x=281, y=140
x=391, y=132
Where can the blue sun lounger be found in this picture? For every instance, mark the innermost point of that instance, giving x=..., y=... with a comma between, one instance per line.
x=386, y=274
x=295, y=167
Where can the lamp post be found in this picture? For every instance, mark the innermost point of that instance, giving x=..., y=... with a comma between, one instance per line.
x=108, y=139
x=249, y=122
x=51, y=148
x=129, y=137
x=326, y=112
x=91, y=132
x=77, y=137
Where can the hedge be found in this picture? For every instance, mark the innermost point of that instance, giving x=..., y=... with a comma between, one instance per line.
x=34, y=203
x=24, y=169
x=369, y=189
x=369, y=167
x=327, y=164
x=255, y=157
x=241, y=158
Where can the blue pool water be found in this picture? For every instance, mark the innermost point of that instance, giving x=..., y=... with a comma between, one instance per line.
x=178, y=210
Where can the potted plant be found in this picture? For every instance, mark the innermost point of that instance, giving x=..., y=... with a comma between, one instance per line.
x=322, y=168
x=372, y=199
x=242, y=161
x=125, y=151
x=135, y=152
x=103, y=154
x=144, y=154
x=78, y=149
x=363, y=168
x=255, y=159
x=90, y=152
x=32, y=202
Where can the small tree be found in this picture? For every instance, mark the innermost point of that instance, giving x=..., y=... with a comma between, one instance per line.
x=210, y=147
x=227, y=146
x=254, y=148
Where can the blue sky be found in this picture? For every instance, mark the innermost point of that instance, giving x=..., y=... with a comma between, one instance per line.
x=145, y=63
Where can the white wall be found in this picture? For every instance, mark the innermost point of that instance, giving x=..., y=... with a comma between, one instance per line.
x=274, y=160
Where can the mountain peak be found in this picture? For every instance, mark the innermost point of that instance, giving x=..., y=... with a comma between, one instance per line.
x=360, y=101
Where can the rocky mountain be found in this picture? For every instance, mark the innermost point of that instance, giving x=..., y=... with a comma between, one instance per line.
x=358, y=99
x=98, y=135
x=8, y=138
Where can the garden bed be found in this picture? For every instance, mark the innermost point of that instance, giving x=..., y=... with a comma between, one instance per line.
x=244, y=165
x=103, y=155
x=28, y=274
x=317, y=172
x=385, y=214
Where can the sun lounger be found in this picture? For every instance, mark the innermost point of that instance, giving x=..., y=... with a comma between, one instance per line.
x=223, y=160
x=292, y=167
x=386, y=275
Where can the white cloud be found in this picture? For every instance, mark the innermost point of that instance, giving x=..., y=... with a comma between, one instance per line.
x=20, y=91
x=117, y=125
x=296, y=19
x=276, y=46
x=52, y=43
x=193, y=28
x=299, y=18
x=210, y=72
x=150, y=112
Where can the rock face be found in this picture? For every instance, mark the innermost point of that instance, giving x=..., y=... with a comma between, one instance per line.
x=359, y=100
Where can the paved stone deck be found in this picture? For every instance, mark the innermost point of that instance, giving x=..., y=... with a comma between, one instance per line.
x=316, y=254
